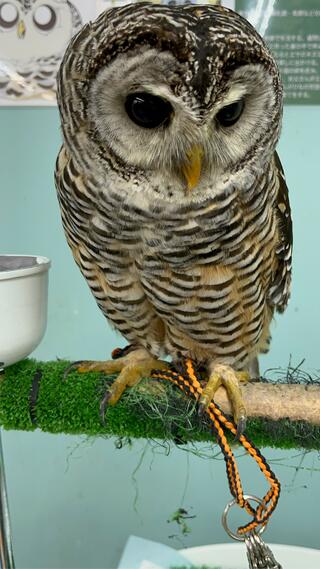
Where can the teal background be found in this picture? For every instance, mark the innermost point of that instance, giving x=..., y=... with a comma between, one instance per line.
x=74, y=501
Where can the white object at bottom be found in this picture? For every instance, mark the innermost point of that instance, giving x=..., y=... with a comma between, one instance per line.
x=233, y=556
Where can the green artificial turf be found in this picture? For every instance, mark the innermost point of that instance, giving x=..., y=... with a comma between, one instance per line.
x=153, y=410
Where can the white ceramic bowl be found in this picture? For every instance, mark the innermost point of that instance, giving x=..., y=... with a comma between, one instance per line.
x=233, y=556
x=23, y=305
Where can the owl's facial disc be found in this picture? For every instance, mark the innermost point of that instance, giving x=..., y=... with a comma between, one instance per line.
x=144, y=110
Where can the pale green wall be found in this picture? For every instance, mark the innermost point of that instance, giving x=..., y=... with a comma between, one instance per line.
x=72, y=501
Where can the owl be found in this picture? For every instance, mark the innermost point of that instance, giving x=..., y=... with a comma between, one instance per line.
x=33, y=38
x=172, y=197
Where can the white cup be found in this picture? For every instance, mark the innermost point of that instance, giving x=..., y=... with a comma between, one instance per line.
x=23, y=305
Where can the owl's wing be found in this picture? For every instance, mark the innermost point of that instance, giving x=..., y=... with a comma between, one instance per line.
x=279, y=291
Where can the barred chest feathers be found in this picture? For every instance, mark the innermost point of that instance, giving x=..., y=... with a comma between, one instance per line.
x=189, y=277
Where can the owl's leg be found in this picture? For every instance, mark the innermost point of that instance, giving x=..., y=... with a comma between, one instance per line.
x=220, y=374
x=132, y=367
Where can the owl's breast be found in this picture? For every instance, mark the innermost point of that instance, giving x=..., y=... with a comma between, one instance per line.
x=202, y=269
x=184, y=237
x=208, y=277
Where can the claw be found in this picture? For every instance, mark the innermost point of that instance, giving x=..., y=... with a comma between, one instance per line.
x=130, y=365
x=241, y=426
x=221, y=374
x=201, y=410
x=203, y=405
x=103, y=405
x=72, y=367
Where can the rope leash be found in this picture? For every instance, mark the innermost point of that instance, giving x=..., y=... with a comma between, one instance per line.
x=188, y=380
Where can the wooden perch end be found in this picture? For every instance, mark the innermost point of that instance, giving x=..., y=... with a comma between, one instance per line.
x=274, y=401
x=35, y=395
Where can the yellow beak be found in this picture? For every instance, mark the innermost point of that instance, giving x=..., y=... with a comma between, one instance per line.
x=21, y=29
x=191, y=168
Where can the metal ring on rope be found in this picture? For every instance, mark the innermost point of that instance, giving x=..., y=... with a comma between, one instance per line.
x=234, y=502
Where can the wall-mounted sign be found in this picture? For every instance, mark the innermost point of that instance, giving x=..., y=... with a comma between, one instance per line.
x=292, y=30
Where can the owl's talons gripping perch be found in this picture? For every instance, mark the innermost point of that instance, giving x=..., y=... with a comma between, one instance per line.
x=132, y=367
x=224, y=375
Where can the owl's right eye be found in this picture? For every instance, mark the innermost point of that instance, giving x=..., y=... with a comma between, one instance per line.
x=230, y=114
x=8, y=15
x=147, y=110
x=44, y=18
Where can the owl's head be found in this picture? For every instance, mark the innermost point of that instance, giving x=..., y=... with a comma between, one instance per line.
x=35, y=28
x=189, y=91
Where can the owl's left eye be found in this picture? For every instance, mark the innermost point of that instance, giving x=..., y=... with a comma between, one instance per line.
x=148, y=111
x=230, y=114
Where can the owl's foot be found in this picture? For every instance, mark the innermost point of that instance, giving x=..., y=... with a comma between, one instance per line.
x=132, y=367
x=224, y=375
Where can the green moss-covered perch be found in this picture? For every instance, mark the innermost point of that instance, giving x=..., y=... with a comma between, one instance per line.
x=155, y=410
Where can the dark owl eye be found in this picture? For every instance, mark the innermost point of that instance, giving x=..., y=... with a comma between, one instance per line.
x=230, y=114
x=44, y=18
x=8, y=15
x=147, y=110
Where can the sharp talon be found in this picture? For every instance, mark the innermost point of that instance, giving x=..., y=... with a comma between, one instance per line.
x=202, y=406
x=103, y=405
x=71, y=367
x=241, y=427
x=201, y=410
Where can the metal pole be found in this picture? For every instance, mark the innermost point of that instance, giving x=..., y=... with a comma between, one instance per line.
x=6, y=552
